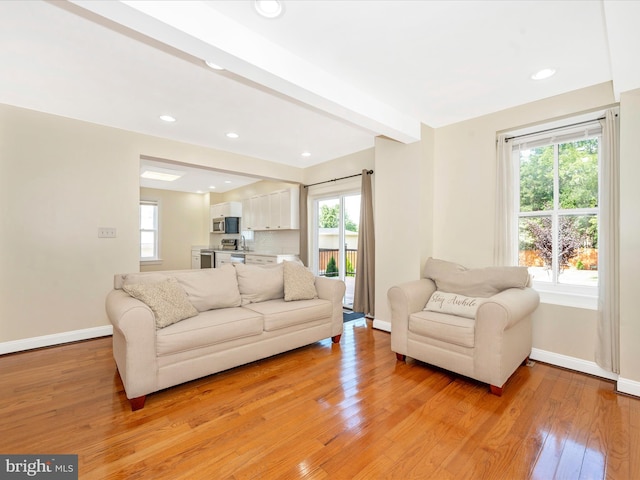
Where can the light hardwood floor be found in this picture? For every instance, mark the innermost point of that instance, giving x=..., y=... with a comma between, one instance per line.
x=346, y=411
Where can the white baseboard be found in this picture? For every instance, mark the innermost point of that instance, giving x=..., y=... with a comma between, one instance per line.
x=630, y=387
x=572, y=363
x=382, y=325
x=54, y=339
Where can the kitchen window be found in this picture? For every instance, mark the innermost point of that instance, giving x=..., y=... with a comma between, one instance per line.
x=149, y=231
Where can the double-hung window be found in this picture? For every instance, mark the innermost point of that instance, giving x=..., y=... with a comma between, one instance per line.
x=149, y=231
x=557, y=207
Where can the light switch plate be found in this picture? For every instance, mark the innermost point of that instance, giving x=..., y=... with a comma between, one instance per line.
x=105, y=232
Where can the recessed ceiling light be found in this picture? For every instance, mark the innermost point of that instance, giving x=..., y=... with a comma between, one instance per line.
x=232, y=135
x=163, y=176
x=227, y=181
x=199, y=191
x=268, y=8
x=542, y=74
x=212, y=187
x=167, y=118
x=212, y=65
x=306, y=154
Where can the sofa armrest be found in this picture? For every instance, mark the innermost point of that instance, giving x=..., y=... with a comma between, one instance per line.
x=332, y=289
x=405, y=299
x=134, y=342
x=511, y=306
x=503, y=336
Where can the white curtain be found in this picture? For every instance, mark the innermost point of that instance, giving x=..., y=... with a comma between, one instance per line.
x=608, y=339
x=504, y=245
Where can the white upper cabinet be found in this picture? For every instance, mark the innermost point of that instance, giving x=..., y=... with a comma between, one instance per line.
x=247, y=215
x=227, y=209
x=277, y=210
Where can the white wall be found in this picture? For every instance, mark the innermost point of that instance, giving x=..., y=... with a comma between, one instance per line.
x=398, y=219
x=630, y=238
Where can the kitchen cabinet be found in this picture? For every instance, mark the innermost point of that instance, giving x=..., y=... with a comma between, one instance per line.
x=277, y=210
x=267, y=259
x=196, y=263
x=247, y=215
x=222, y=259
x=195, y=260
x=227, y=209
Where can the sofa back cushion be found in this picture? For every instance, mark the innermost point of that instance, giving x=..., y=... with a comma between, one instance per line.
x=210, y=288
x=259, y=283
x=477, y=282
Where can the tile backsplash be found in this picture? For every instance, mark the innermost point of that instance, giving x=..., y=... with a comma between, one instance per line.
x=282, y=241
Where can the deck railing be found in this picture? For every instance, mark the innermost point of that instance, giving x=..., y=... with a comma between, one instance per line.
x=324, y=261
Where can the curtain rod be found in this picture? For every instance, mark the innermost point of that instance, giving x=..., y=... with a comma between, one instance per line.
x=557, y=128
x=336, y=179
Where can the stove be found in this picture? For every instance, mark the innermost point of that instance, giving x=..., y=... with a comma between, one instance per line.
x=229, y=244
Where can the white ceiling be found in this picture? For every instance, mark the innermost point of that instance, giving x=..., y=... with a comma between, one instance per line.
x=192, y=179
x=326, y=77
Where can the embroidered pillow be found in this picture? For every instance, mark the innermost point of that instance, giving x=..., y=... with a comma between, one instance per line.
x=299, y=282
x=167, y=300
x=454, y=304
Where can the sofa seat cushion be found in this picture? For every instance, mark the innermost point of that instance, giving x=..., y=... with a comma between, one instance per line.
x=279, y=314
x=444, y=327
x=208, y=328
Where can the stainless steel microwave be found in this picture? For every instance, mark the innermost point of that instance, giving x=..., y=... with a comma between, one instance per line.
x=226, y=225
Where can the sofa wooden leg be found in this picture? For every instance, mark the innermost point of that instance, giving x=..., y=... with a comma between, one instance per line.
x=400, y=357
x=137, y=403
x=496, y=390
x=336, y=338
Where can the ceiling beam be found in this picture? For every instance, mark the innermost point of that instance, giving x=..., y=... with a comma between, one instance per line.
x=202, y=32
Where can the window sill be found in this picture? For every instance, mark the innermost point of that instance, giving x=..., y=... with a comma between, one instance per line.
x=155, y=261
x=567, y=299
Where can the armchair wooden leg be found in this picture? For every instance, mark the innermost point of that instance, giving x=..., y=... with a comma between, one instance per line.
x=137, y=403
x=336, y=338
x=496, y=390
x=400, y=357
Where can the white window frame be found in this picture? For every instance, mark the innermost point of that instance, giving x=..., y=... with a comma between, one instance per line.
x=578, y=296
x=156, y=259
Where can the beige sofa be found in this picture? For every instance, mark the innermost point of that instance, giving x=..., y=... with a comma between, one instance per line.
x=476, y=323
x=175, y=326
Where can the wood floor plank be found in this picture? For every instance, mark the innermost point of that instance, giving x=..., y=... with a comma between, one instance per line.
x=325, y=411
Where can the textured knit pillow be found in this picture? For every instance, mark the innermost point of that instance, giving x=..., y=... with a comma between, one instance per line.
x=167, y=300
x=454, y=304
x=299, y=283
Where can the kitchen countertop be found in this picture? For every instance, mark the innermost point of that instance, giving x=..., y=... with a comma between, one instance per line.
x=252, y=252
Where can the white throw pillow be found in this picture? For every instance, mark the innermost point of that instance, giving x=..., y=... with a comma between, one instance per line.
x=299, y=282
x=211, y=288
x=259, y=283
x=167, y=300
x=453, y=304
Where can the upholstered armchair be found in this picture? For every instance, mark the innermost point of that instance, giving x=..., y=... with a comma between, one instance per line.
x=474, y=322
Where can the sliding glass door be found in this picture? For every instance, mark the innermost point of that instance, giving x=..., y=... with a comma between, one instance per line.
x=336, y=221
